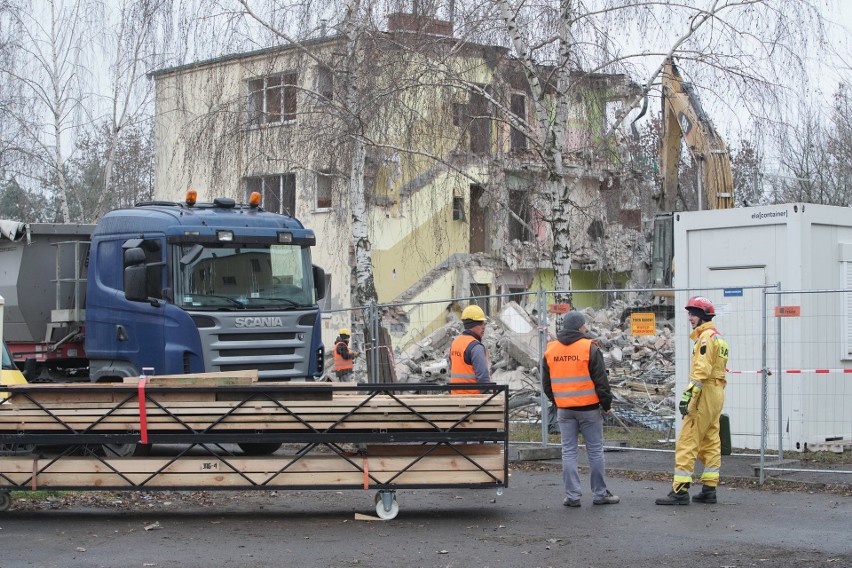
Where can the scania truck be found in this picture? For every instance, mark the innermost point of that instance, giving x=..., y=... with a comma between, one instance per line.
x=163, y=288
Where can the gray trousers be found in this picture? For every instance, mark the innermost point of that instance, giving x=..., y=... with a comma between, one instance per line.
x=590, y=424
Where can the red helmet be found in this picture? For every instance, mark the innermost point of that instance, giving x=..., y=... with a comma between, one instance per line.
x=703, y=304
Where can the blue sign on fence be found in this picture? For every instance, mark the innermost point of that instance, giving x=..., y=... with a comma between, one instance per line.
x=733, y=292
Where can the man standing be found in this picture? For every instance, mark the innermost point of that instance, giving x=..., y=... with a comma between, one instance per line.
x=574, y=377
x=701, y=407
x=344, y=358
x=468, y=358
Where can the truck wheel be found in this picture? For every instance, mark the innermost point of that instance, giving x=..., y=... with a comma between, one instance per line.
x=5, y=500
x=259, y=448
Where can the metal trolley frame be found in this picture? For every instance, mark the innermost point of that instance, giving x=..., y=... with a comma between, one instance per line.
x=53, y=448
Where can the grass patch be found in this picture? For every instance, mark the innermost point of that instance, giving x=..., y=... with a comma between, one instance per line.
x=39, y=494
x=823, y=457
x=635, y=437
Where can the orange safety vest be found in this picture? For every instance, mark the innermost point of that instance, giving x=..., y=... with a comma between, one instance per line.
x=461, y=372
x=341, y=364
x=569, y=373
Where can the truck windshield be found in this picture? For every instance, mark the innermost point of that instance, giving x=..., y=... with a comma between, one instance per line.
x=238, y=276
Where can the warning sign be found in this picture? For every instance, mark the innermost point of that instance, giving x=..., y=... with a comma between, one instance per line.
x=643, y=324
x=559, y=308
x=788, y=311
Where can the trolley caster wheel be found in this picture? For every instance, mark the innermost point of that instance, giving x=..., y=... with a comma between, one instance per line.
x=384, y=513
x=5, y=501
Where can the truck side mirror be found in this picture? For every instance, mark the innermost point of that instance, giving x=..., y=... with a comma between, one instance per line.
x=135, y=275
x=319, y=282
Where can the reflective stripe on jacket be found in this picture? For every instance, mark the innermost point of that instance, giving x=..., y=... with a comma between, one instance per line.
x=341, y=364
x=460, y=371
x=569, y=373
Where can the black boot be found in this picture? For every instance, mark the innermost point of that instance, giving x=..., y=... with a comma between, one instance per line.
x=707, y=495
x=675, y=498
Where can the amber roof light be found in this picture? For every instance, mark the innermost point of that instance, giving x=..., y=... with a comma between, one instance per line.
x=191, y=197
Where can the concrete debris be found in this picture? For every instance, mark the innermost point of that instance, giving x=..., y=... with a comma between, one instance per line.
x=641, y=368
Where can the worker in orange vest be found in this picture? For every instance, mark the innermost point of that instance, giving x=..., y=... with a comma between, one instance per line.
x=468, y=357
x=574, y=377
x=344, y=358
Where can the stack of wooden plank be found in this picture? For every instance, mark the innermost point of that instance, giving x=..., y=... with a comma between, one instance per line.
x=57, y=408
x=395, y=465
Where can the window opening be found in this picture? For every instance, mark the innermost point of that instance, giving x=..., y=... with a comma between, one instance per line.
x=458, y=208
x=519, y=218
x=278, y=192
x=272, y=99
x=481, y=290
x=324, y=185
x=324, y=82
x=517, y=139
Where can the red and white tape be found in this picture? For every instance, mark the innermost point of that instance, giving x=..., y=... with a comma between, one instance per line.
x=792, y=371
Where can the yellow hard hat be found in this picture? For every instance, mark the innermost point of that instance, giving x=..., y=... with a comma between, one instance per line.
x=473, y=312
x=344, y=331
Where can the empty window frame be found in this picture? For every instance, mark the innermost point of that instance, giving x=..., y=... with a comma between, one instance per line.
x=517, y=295
x=479, y=296
x=519, y=216
x=517, y=138
x=324, y=82
x=272, y=99
x=479, y=114
x=323, y=190
x=278, y=192
x=458, y=208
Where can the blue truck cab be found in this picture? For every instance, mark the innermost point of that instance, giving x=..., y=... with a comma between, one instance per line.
x=202, y=287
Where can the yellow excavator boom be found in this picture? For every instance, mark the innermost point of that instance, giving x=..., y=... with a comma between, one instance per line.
x=684, y=119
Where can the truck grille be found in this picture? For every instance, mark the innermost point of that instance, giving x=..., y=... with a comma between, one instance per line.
x=277, y=355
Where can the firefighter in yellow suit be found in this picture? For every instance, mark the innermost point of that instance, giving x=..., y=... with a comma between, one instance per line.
x=701, y=407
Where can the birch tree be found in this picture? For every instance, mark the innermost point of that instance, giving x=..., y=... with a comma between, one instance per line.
x=132, y=48
x=747, y=45
x=815, y=155
x=734, y=50
x=50, y=78
x=16, y=115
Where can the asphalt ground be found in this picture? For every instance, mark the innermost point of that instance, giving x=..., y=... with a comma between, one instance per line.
x=523, y=526
x=789, y=524
x=742, y=468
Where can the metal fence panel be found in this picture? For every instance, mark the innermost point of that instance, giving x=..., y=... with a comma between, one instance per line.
x=789, y=384
x=815, y=369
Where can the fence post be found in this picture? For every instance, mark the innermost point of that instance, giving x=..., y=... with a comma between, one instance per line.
x=541, y=302
x=778, y=377
x=373, y=373
x=764, y=419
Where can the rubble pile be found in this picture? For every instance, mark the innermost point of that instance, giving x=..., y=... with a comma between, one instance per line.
x=641, y=368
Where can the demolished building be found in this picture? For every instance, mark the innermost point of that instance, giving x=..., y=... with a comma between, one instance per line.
x=456, y=195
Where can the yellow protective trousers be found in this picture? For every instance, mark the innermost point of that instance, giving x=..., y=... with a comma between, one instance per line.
x=699, y=437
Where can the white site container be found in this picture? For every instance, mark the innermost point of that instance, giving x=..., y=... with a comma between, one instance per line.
x=802, y=247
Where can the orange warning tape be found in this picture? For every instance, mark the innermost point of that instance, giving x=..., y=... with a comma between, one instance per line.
x=143, y=416
x=366, y=474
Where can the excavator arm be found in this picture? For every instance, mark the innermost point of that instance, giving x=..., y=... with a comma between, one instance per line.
x=684, y=119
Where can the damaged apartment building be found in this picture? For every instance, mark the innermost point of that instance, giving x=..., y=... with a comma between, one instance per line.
x=455, y=193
